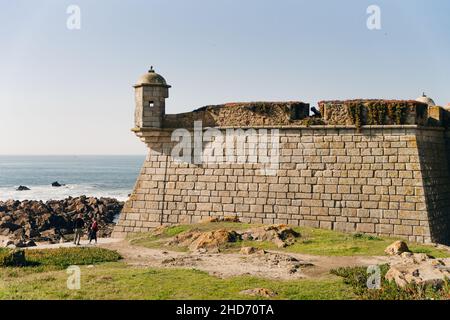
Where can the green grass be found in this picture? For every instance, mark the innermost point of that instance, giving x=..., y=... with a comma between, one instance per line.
x=61, y=257
x=118, y=281
x=312, y=241
x=45, y=277
x=64, y=257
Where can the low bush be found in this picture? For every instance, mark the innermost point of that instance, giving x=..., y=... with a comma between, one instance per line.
x=363, y=236
x=12, y=258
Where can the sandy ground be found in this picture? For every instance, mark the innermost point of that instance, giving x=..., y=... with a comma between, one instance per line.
x=83, y=243
x=272, y=264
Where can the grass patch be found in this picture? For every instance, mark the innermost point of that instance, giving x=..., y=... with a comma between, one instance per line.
x=61, y=257
x=64, y=257
x=118, y=281
x=312, y=241
x=357, y=277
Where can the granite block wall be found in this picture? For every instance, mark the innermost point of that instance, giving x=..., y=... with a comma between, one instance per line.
x=382, y=180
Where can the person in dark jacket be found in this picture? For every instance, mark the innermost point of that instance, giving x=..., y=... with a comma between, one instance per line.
x=93, y=229
x=78, y=226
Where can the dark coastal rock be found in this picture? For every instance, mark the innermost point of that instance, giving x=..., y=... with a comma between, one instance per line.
x=50, y=221
x=31, y=243
x=57, y=184
x=23, y=188
x=10, y=226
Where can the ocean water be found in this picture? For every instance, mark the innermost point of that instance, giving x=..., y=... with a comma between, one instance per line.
x=98, y=176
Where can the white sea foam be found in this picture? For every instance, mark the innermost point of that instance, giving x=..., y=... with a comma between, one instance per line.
x=45, y=193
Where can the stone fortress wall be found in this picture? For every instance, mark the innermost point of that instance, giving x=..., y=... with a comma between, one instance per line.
x=372, y=166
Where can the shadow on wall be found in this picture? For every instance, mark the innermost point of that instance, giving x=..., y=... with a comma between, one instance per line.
x=434, y=156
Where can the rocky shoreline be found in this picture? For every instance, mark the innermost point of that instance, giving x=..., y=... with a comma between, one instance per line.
x=24, y=223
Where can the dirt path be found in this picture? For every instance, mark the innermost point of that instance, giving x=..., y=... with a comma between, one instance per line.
x=83, y=243
x=273, y=265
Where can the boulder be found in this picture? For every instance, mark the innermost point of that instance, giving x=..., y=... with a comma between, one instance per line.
x=418, y=268
x=9, y=243
x=397, y=276
x=209, y=241
x=212, y=240
x=10, y=226
x=56, y=184
x=31, y=233
x=7, y=219
x=184, y=239
x=48, y=233
x=247, y=250
x=397, y=248
x=18, y=234
x=259, y=292
x=31, y=243
x=92, y=201
x=22, y=188
x=20, y=244
x=281, y=235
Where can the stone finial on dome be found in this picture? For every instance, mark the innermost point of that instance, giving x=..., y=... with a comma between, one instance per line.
x=151, y=78
x=426, y=100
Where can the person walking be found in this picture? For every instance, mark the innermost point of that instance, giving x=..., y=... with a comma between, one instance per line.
x=78, y=226
x=93, y=229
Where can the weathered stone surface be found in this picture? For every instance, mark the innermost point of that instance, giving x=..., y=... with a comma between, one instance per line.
x=418, y=269
x=247, y=250
x=397, y=248
x=210, y=241
x=259, y=292
x=243, y=114
x=281, y=235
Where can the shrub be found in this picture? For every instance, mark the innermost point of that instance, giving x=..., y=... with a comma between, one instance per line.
x=363, y=236
x=12, y=258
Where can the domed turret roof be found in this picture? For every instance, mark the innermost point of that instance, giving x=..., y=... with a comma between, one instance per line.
x=426, y=100
x=151, y=78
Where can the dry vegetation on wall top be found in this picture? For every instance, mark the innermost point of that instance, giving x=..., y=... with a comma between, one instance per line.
x=246, y=114
x=360, y=112
x=357, y=112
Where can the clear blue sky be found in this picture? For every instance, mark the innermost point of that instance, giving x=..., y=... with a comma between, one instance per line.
x=69, y=92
